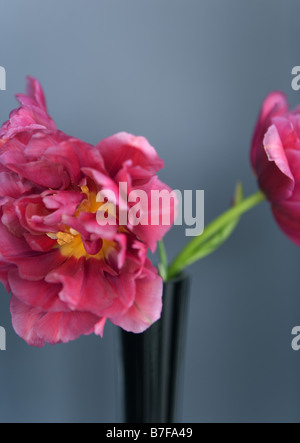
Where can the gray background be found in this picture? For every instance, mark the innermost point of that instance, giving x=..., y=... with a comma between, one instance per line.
x=190, y=75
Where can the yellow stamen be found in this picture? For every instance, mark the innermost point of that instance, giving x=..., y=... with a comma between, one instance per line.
x=63, y=238
x=52, y=236
x=70, y=241
x=85, y=190
x=73, y=232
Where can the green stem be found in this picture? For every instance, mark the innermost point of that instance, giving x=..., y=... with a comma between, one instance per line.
x=182, y=260
x=163, y=266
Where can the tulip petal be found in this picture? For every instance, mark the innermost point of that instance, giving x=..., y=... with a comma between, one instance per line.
x=11, y=220
x=37, y=266
x=37, y=327
x=5, y=269
x=12, y=185
x=275, y=104
x=274, y=174
x=36, y=294
x=147, y=307
x=287, y=215
x=99, y=327
x=84, y=285
x=293, y=158
x=119, y=148
x=12, y=246
x=32, y=115
x=35, y=92
x=43, y=173
x=24, y=319
x=40, y=243
x=288, y=222
x=64, y=327
x=164, y=211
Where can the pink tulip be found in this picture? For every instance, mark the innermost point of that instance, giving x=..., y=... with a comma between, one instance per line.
x=275, y=157
x=66, y=273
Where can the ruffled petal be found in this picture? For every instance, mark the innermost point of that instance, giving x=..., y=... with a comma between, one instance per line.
x=38, y=327
x=35, y=266
x=36, y=294
x=31, y=116
x=24, y=319
x=12, y=185
x=159, y=214
x=84, y=285
x=5, y=269
x=43, y=173
x=124, y=147
x=147, y=306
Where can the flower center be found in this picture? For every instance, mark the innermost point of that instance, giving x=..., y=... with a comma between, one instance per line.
x=70, y=241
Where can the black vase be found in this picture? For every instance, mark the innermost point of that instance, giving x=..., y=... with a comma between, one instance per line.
x=152, y=362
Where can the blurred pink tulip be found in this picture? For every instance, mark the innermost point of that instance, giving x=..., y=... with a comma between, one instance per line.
x=275, y=157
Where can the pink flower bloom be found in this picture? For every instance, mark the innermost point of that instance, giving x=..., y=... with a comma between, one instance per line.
x=275, y=157
x=66, y=273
